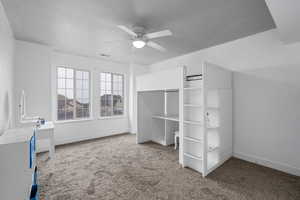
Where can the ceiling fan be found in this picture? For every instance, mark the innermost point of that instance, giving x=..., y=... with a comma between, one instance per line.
x=140, y=38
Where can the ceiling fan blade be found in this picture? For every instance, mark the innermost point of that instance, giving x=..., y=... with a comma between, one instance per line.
x=159, y=34
x=156, y=46
x=127, y=30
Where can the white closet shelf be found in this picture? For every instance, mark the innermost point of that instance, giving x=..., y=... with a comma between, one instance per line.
x=212, y=127
x=192, y=156
x=192, y=139
x=167, y=117
x=212, y=108
x=192, y=88
x=193, y=105
x=193, y=122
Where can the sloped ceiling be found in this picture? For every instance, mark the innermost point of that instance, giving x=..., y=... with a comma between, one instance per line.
x=287, y=16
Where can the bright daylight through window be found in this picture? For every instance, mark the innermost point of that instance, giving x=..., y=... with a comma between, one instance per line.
x=111, y=94
x=73, y=94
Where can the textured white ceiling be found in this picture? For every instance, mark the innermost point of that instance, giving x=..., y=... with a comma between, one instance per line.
x=89, y=27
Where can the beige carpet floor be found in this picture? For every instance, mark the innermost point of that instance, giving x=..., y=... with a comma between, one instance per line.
x=117, y=168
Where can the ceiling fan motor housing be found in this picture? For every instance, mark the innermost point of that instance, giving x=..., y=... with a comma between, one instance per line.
x=140, y=31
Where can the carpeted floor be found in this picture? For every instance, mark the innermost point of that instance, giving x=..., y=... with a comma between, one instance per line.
x=117, y=168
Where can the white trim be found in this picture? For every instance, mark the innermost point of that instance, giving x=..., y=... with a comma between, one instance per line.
x=268, y=163
x=43, y=148
x=112, y=117
x=73, y=120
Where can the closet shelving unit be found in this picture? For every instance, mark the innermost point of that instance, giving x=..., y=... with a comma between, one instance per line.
x=158, y=103
x=206, y=140
x=158, y=116
x=169, y=117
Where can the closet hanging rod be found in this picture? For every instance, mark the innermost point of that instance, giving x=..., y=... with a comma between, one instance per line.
x=194, y=77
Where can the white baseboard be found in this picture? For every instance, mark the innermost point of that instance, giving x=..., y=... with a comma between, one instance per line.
x=225, y=156
x=268, y=163
x=44, y=148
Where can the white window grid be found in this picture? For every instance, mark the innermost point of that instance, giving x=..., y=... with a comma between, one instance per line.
x=70, y=82
x=112, y=84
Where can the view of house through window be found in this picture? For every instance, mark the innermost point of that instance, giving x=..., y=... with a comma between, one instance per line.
x=73, y=94
x=111, y=94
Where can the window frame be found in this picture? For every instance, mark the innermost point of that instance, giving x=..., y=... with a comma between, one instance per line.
x=123, y=91
x=74, y=119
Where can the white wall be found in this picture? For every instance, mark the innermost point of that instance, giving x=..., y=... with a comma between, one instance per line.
x=35, y=66
x=266, y=96
x=32, y=74
x=266, y=117
x=6, y=70
x=135, y=70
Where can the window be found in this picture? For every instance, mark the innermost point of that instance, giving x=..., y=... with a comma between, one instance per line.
x=111, y=94
x=73, y=94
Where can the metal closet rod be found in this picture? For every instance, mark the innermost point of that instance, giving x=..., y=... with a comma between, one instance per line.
x=194, y=77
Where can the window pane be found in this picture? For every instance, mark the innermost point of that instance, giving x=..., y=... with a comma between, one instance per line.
x=82, y=107
x=79, y=113
x=108, y=77
x=118, y=105
x=82, y=94
x=78, y=94
x=64, y=96
x=85, y=94
x=118, y=99
x=70, y=114
x=86, y=112
x=61, y=114
x=79, y=83
x=106, y=107
x=61, y=104
x=86, y=76
x=78, y=74
x=61, y=72
x=69, y=73
x=85, y=84
x=69, y=83
x=61, y=92
x=70, y=94
x=61, y=83
x=111, y=94
x=102, y=77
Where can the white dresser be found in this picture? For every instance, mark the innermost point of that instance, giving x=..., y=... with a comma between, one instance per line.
x=17, y=164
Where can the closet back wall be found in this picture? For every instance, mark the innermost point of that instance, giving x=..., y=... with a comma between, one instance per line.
x=34, y=64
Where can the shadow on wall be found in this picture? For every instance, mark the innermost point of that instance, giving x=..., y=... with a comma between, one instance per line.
x=5, y=121
x=267, y=115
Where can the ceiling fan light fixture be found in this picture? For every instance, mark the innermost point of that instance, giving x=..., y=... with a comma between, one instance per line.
x=138, y=44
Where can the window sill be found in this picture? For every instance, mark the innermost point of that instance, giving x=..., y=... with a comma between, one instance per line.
x=73, y=121
x=112, y=117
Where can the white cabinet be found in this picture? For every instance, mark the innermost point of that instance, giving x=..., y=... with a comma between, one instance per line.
x=200, y=109
x=158, y=116
x=17, y=166
x=158, y=106
x=160, y=80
